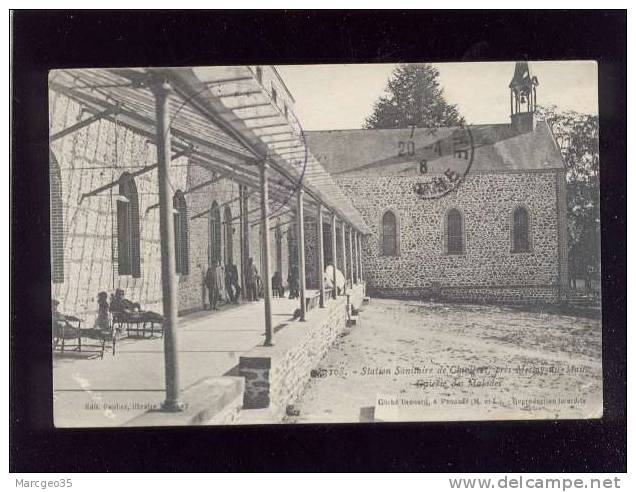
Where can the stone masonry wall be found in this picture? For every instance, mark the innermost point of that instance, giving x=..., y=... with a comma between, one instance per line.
x=275, y=376
x=88, y=158
x=97, y=155
x=192, y=294
x=488, y=270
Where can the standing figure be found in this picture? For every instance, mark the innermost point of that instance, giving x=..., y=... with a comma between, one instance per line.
x=232, y=283
x=210, y=284
x=219, y=281
x=220, y=272
x=277, y=285
x=258, y=285
x=203, y=286
x=252, y=279
x=249, y=279
x=228, y=283
x=292, y=280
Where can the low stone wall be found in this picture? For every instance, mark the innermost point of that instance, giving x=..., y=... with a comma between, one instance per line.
x=539, y=294
x=275, y=376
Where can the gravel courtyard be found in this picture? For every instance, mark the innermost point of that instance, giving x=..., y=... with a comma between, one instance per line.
x=408, y=360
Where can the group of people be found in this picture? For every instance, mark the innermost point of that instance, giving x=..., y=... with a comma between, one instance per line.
x=278, y=289
x=222, y=284
x=118, y=309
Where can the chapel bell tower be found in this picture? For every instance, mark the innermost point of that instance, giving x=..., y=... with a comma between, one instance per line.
x=523, y=98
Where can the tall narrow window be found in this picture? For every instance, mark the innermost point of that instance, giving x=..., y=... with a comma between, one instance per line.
x=128, y=239
x=215, y=234
x=57, y=222
x=181, y=244
x=389, y=234
x=520, y=230
x=454, y=232
x=278, y=235
x=274, y=95
x=229, y=235
x=292, y=247
x=326, y=241
x=259, y=75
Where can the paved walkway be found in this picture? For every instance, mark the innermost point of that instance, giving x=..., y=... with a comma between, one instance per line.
x=92, y=392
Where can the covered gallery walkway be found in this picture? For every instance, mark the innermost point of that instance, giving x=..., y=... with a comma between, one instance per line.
x=112, y=391
x=238, y=124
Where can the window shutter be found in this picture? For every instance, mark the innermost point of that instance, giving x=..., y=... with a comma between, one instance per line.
x=128, y=237
x=123, y=239
x=135, y=239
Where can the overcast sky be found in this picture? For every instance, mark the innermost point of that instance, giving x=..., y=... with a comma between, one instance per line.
x=330, y=97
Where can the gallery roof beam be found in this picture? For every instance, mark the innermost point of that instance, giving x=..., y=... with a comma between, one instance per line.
x=245, y=124
x=227, y=114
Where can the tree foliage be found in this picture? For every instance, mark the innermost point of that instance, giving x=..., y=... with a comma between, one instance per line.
x=413, y=97
x=577, y=135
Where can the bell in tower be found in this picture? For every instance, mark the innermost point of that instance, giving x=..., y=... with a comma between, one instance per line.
x=523, y=98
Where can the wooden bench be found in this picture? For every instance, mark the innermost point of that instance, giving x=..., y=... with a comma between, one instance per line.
x=136, y=323
x=71, y=335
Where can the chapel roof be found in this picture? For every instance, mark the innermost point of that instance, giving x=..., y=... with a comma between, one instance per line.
x=497, y=148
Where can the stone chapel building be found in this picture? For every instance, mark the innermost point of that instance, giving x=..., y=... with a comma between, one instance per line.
x=499, y=236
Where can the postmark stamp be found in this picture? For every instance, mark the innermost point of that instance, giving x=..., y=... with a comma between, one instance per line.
x=443, y=163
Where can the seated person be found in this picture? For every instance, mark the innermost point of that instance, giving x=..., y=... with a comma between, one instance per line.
x=102, y=327
x=104, y=317
x=60, y=322
x=118, y=303
x=125, y=309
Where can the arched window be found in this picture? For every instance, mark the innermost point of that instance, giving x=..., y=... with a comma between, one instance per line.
x=57, y=221
x=229, y=235
x=215, y=234
x=520, y=230
x=128, y=240
x=454, y=232
x=389, y=234
x=181, y=244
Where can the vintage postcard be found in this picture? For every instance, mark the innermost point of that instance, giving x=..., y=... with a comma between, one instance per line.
x=325, y=243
